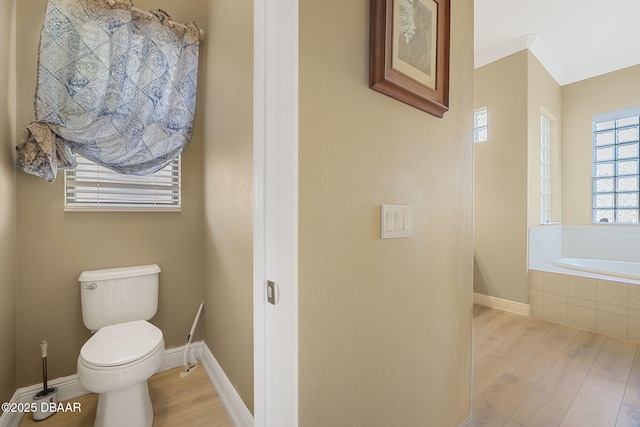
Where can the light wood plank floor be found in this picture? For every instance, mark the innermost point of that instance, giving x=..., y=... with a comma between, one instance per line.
x=188, y=401
x=530, y=372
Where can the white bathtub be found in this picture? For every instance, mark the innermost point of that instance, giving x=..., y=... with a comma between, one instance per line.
x=624, y=269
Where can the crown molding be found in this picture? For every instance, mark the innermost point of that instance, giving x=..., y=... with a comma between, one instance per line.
x=549, y=60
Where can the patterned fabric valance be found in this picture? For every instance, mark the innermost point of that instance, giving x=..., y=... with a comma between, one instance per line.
x=114, y=86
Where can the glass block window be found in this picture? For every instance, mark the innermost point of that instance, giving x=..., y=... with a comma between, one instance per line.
x=545, y=170
x=90, y=187
x=480, y=130
x=616, y=153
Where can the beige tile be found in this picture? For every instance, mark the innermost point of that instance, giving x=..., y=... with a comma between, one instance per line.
x=555, y=311
x=634, y=312
x=536, y=294
x=555, y=297
x=611, y=324
x=550, y=399
x=628, y=417
x=556, y=283
x=537, y=306
x=612, y=292
x=615, y=359
x=495, y=405
x=597, y=402
x=581, y=317
x=582, y=302
x=582, y=287
x=634, y=296
x=487, y=370
x=612, y=308
x=536, y=281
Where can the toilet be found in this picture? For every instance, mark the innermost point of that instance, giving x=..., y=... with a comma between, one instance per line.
x=125, y=349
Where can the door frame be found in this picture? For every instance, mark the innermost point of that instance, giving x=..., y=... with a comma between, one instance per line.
x=275, y=237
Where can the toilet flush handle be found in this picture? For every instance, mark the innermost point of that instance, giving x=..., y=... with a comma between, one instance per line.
x=90, y=286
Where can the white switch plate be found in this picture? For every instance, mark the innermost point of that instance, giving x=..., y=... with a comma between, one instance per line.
x=395, y=221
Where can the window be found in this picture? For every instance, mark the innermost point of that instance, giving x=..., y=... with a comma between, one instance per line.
x=93, y=187
x=480, y=131
x=545, y=169
x=615, y=166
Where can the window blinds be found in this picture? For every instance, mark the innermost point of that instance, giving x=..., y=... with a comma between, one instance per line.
x=94, y=187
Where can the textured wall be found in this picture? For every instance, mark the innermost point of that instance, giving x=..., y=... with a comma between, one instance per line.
x=384, y=325
x=7, y=203
x=55, y=246
x=228, y=191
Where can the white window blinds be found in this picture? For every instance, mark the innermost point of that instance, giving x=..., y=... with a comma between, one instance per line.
x=93, y=187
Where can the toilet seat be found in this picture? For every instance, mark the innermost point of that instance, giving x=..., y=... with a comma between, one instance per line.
x=121, y=344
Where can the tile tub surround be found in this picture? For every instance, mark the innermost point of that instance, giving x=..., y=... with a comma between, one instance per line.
x=606, y=306
x=601, y=241
x=610, y=242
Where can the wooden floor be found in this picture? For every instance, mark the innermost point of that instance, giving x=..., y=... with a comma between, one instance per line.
x=188, y=401
x=530, y=372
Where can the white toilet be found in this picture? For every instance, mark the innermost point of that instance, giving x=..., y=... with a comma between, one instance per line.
x=125, y=349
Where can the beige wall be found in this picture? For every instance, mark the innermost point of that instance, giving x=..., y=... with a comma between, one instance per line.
x=384, y=325
x=228, y=191
x=7, y=203
x=55, y=246
x=580, y=101
x=515, y=90
x=500, y=182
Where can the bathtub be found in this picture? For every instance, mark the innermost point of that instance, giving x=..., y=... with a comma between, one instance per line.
x=623, y=269
x=592, y=294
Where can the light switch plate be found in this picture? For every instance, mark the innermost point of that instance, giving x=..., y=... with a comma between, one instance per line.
x=395, y=221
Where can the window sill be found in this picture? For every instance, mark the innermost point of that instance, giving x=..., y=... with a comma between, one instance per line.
x=120, y=209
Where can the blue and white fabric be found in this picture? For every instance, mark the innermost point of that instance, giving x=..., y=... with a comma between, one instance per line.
x=114, y=86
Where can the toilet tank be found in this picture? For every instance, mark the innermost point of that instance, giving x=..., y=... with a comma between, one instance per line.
x=118, y=295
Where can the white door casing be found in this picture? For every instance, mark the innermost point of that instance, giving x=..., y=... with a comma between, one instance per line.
x=275, y=212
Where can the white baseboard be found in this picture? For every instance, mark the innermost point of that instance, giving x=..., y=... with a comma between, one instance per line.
x=236, y=409
x=11, y=419
x=174, y=357
x=502, y=304
x=467, y=421
x=70, y=388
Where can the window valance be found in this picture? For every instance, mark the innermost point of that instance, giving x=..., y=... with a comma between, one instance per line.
x=114, y=86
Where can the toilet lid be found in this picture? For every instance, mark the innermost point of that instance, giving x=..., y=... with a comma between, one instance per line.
x=121, y=344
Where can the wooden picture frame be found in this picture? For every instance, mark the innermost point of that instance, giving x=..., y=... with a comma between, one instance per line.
x=403, y=63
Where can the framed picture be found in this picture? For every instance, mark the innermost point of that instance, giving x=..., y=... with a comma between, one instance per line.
x=410, y=52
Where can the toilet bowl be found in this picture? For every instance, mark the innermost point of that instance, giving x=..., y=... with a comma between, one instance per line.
x=116, y=363
x=126, y=349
